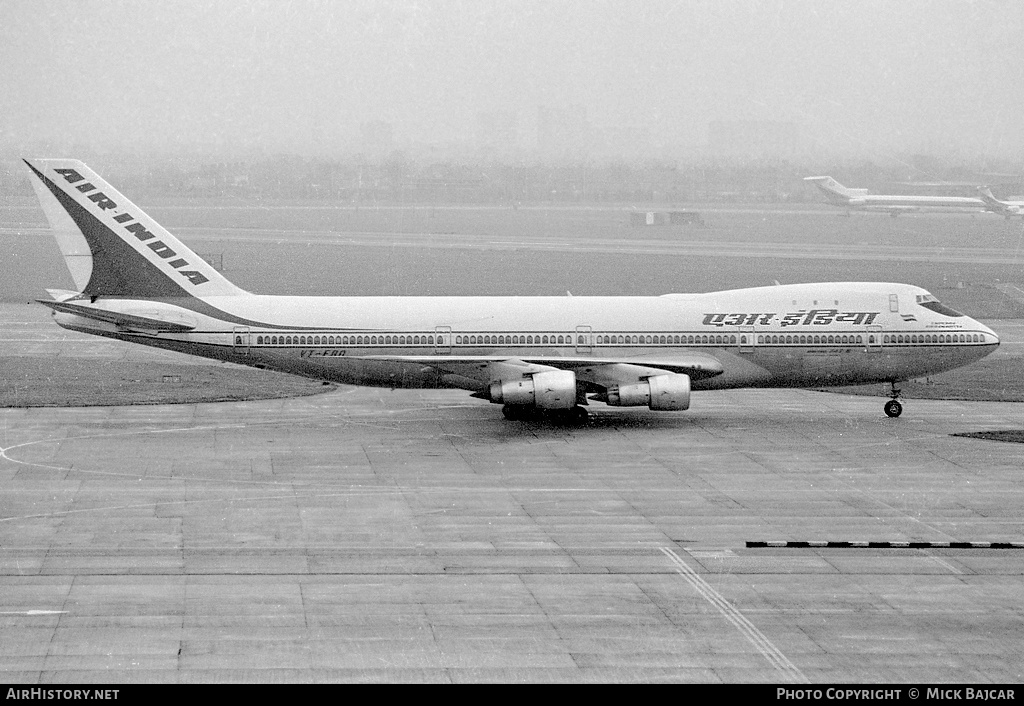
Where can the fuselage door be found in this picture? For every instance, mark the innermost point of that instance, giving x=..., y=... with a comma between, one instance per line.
x=584, y=339
x=874, y=338
x=746, y=339
x=442, y=340
x=240, y=340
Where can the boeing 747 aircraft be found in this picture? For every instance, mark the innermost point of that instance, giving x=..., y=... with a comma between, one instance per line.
x=893, y=204
x=136, y=282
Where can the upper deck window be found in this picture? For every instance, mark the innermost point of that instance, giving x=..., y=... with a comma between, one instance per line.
x=930, y=302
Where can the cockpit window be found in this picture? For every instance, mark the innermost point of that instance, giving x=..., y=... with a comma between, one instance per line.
x=933, y=304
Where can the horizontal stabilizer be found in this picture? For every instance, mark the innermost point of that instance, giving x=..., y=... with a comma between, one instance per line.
x=62, y=295
x=149, y=322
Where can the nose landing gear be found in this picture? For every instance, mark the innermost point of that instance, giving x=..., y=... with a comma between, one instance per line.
x=893, y=408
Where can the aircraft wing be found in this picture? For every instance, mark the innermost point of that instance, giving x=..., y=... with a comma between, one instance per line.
x=600, y=372
x=142, y=321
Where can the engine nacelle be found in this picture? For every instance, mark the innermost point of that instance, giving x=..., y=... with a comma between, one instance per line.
x=660, y=392
x=553, y=389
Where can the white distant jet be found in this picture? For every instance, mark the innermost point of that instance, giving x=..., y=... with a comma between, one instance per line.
x=1004, y=208
x=893, y=204
x=136, y=282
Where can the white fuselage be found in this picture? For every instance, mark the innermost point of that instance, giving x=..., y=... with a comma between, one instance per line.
x=783, y=336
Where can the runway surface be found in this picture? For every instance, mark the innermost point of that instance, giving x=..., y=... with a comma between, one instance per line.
x=638, y=243
x=370, y=535
x=422, y=250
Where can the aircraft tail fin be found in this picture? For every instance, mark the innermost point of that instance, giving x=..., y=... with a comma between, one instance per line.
x=986, y=195
x=111, y=247
x=994, y=205
x=833, y=190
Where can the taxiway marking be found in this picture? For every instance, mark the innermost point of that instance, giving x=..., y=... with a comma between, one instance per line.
x=757, y=638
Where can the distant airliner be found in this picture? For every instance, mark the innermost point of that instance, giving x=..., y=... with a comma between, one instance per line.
x=136, y=282
x=893, y=204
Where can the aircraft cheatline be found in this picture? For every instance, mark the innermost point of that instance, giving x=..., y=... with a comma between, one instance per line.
x=139, y=283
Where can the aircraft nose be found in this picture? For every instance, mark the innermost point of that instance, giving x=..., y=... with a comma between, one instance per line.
x=991, y=337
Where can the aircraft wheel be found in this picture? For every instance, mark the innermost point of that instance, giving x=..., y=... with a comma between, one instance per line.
x=569, y=417
x=893, y=408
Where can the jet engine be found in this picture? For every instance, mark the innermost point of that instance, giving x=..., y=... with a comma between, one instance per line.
x=553, y=389
x=659, y=392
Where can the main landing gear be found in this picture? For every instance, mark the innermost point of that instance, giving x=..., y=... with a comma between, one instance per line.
x=893, y=408
x=522, y=412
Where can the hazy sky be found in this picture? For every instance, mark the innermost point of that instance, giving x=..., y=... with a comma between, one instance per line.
x=861, y=76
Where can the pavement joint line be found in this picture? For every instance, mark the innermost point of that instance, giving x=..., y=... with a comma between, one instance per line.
x=883, y=545
x=763, y=645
